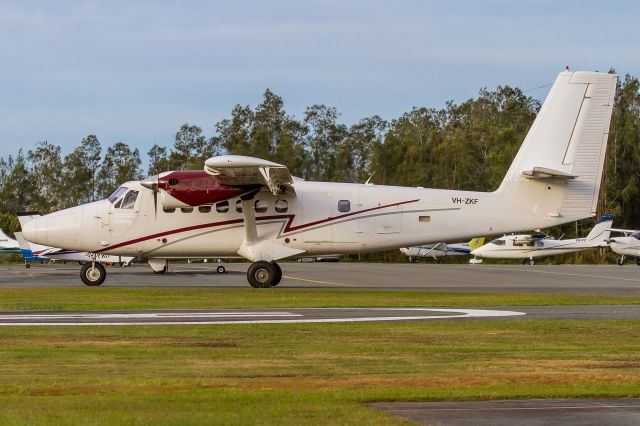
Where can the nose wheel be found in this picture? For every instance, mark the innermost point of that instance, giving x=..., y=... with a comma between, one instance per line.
x=93, y=274
x=263, y=274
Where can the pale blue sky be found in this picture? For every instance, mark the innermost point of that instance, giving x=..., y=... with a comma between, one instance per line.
x=134, y=71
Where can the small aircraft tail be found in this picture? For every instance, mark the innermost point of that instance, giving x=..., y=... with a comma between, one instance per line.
x=25, y=247
x=476, y=242
x=556, y=173
x=602, y=230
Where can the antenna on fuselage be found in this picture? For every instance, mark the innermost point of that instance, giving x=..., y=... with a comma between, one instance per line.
x=368, y=182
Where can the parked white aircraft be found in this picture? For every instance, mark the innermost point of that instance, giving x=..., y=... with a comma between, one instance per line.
x=35, y=252
x=254, y=208
x=7, y=244
x=629, y=245
x=440, y=250
x=529, y=247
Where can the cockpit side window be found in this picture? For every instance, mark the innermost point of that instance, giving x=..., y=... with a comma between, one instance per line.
x=636, y=235
x=116, y=194
x=498, y=242
x=129, y=200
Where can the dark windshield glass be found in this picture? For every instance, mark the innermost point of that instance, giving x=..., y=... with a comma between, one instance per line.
x=498, y=242
x=129, y=200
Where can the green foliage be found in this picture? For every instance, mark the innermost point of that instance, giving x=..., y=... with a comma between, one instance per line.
x=461, y=146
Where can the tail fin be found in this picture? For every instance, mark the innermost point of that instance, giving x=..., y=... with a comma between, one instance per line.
x=602, y=230
x=25, y=247
x=6, y=241
x=476, y=242
x=565, y=148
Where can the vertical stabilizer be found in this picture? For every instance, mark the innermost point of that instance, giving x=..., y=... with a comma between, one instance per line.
x=564, y=150
x=602, y=230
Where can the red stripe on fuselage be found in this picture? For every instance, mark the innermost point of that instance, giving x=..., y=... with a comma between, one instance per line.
x=288, y=227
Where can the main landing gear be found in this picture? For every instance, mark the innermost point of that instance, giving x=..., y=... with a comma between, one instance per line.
x=529, y=261
x=621, y=261
x=263, y=274
x=93, y=274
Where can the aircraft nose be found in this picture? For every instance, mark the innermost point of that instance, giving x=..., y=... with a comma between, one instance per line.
x=59, y=229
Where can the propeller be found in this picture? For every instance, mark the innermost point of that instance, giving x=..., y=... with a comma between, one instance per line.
x=152, y=184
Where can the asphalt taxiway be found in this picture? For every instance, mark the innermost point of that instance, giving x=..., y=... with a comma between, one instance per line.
x=559, y=279
x=532, y=412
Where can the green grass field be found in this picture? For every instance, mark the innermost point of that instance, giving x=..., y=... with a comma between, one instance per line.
x=296, y=373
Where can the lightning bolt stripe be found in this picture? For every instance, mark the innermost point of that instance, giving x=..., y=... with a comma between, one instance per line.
x=288, y=228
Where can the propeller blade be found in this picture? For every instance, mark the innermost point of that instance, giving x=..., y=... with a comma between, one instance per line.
x=152, y=184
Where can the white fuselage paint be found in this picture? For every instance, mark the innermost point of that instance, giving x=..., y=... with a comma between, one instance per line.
x=380, y=218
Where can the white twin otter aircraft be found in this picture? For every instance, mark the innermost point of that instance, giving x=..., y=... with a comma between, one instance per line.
x=254, y=208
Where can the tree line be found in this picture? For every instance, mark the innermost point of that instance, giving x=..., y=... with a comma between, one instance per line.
x=460, y=146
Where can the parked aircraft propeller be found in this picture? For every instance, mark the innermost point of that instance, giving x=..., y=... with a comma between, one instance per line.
x=152, y=184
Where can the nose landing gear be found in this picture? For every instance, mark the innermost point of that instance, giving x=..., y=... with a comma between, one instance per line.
x=93, y=274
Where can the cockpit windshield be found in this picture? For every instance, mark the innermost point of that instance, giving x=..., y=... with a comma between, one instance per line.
x=116, y=194
x=497, y=242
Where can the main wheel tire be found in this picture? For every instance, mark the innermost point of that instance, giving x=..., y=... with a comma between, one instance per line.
x=221, y=269
x=27, y=265
x=621, y=262
x=261, y=274
x=278, y=276
x=531, y=262
x=93, y=274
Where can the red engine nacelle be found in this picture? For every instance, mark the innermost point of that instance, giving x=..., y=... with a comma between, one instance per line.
x=192, y=188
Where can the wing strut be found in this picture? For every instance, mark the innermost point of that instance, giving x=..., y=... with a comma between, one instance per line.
x=255, y=248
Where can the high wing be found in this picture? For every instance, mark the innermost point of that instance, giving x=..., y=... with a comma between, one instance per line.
x=239, y=170
x=626, y=232
x=438, y=246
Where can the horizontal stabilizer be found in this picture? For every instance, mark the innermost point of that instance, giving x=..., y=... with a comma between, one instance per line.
x=545, y=173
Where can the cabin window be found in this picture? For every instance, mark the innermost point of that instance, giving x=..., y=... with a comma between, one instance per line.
x=167, y=210
x=222, y=207
x=186, y=209
x=498, y=242
x=239, y=206
x=344, y=206
x=204, y=209
x=281, y=206
x=261, y=206
x=117, y=193
x=129, y=200
x=424, y=218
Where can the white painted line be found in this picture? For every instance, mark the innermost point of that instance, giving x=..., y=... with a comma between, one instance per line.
x=144, y=318
x=149, y=315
